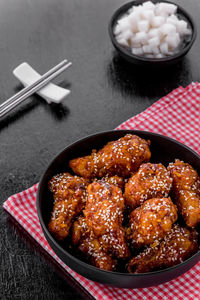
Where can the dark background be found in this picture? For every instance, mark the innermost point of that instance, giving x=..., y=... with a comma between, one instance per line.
x=105, y=91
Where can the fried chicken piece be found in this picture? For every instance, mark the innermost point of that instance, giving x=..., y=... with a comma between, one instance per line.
x=152, y=221
x=186, y=191
x=120, y=157
x=69, y=193
x=150, y=181
x=104, y=214
x=90, y=246
x=178, y=245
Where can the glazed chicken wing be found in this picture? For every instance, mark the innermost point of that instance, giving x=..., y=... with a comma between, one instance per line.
x=103, y=213
x=90, y=246
x=178, y=245
x=150, y=181
x=186, y=191
x=69, y=193
x=152, y=221
x=120, y=157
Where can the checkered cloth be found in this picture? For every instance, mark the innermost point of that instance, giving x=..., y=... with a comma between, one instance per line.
x=178, y=116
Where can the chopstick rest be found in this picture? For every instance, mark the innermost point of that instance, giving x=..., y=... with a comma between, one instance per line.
x=51, y=92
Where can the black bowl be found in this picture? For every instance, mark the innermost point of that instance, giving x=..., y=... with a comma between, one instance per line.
x=164, y=150
x=145, y=61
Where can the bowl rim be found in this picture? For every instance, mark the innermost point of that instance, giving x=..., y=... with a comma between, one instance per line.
x=144, y=59
x=77, y=260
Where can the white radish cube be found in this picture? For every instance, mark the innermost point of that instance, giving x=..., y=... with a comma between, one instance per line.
x=123, y=24
x=172, y=8
x=188, y=31
x=157, y=10
x=134, y=16
x=170, y=53
x=127, y=34
x=178, y=39
x=149, y=5
x=137, y=51
x=148, y=15
x=134, y=27
x=135, y=42
x=157, y=21
x=159, y=55
x=147, y=49
x=155, y=50
x=143, y=25
x=164, y=48
x=122, y=41
x=153, y=42
x=133, y=22
x=181, y=27
x=164, y=15
x=154, y=32
x=134, y=45
x=173, y=41
x=174, y=17
x=138, y=10
x=141, y=37
x=130, y=10
x=117, y=29
x=172, y=20
x=166, y=8
x=167, y=29
x=119, y=36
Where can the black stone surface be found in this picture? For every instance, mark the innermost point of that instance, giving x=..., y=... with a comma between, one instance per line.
x=105, y=91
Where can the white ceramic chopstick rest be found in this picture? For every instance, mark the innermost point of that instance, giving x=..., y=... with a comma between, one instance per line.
x=51, y=92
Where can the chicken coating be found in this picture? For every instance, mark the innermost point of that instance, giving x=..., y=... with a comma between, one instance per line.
x=178, y=245
x=120, y=157
x=114, y=180
x=90, y=246
x=150, y=181
x=152, y=221
x=186, y=191
x=69, y=193
x=104, y=214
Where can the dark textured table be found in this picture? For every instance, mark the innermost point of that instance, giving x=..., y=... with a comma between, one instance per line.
x=105, y=91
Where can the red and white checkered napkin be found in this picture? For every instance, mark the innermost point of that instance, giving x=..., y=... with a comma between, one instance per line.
x=178, y=116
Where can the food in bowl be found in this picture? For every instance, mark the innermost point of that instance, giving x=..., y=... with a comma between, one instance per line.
x=150, y=181
x=120, y=157
x=103, y=232
x=152, y=30
x=151, y=221
x=69, y=200
x=186, y=187
x=179, y=244
x=84, y=238
x=101, y=226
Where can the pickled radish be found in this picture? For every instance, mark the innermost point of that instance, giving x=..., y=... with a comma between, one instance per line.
x=152, y=30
